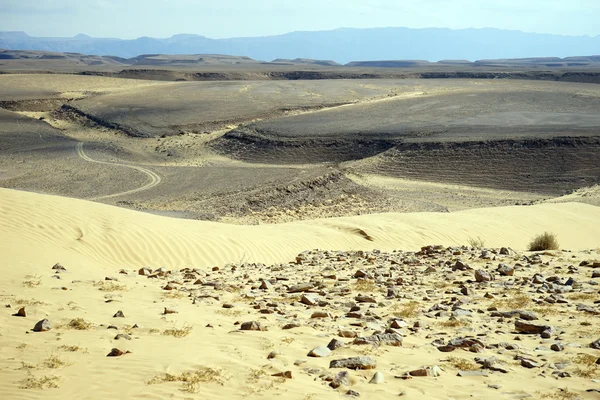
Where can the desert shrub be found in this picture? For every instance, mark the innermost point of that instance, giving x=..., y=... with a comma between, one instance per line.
x=545, y=241
x=110, y=286
x=462, y=364
x=178, y=332
x=406, y=310
x=80, y=324
x=191, y=380
x=476, y=243
x=45, y=382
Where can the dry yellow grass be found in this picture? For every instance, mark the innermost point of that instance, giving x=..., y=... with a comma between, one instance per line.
x=561, y=394
x=175, y=294
x=79, y=324
x=54, y=362
x=255, y=375
x=582, y=296
x=586, y=366
x=477, y=243
x=178, y=332
x=461, y=364
x=32, y=281
x=191, y=380
x=544, y=241
x=406, y=310
x=365, y=286
x=30, y=302
x=110, y=286
x=515, y=300
x=73, y=349
x=287, y=340
x=44, y=382
x=454, y=323
x=229, y=312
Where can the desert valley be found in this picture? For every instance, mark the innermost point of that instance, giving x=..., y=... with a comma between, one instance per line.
x=207, y=226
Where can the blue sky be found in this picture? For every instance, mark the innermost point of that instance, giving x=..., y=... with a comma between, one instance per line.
x=233, y=18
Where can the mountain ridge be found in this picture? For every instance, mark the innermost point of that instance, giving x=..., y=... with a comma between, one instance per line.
x=341, y=45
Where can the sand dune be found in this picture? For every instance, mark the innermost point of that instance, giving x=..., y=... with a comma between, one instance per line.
x=94, y=241
x=64, y=229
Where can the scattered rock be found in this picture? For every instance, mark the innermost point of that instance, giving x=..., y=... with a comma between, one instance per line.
x=525, y=327
x=472, y=373
x=482, y=276
x=321, y=351
x=21, y=312
x=59, y=268
x=42, y=326
x=302, y=287
x=377, y=378
x=557, y=347
x=354, y=363
x=505, y=270
x=388, y=339
x=119, y=314
x=285, y=374
x=340, y=379
x=335, y=344
x=123, y=336
x=252, y=326
x=117, y=353
x=309, y=300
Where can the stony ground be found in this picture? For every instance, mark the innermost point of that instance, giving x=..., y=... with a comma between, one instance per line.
x=490, y=317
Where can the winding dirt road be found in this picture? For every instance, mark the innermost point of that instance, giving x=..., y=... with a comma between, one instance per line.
x=154, y=179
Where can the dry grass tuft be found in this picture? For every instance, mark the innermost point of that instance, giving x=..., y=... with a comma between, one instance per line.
x=513, y=302
x=45, y=382
x=32, y=281
x=191, y=380
x=547, y=309
x=31, y=302
x=178, y=332
x=255, y=375
x=80, y=324
x=54, y=362
x=371, y=351
x=455, y=323
x=27, y=366
x=462, y=364
x=476, y=243
x=230, y=312
x=545, y=241
x=175, y=294
x=583, y=296
x=365, y=285
x=586, y=366
x=561, y=394
x=408, y=310
x=288, y=340
x=73, y=349
x=110, y=286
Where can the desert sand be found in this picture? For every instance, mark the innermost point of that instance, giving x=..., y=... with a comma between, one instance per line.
x=216, y=273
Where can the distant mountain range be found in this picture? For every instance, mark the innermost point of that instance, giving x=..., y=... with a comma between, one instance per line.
x=341, y=45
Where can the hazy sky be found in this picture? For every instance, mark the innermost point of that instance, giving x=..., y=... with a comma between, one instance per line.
x=232, y=18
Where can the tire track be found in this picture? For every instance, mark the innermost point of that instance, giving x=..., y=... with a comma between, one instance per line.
x=155, y=179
